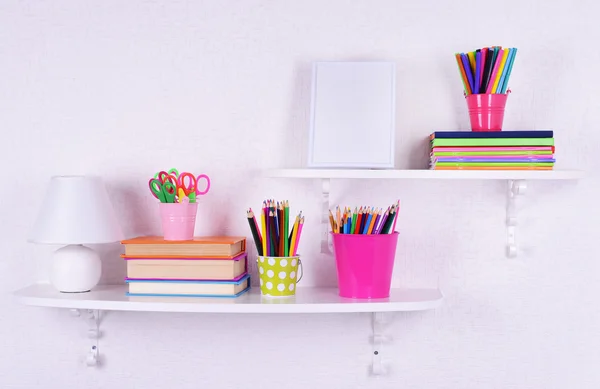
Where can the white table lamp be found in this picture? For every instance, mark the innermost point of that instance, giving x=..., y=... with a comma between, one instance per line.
x=76, y=211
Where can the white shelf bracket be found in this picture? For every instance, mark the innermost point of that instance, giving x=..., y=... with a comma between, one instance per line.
x=92, y=316
x=379, y=322
x=515, y=188
x=326, y=243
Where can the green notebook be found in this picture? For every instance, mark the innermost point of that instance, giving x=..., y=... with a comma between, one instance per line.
x=464, y=153
x=496, y=164
x=492, y=142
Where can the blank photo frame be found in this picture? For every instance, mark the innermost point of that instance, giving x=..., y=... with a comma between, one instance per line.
x=352, y=115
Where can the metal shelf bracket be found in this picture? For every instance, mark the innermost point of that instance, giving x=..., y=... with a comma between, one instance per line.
x=515, y=188
x=326, y=243
x=92, y=317
x=379, y=321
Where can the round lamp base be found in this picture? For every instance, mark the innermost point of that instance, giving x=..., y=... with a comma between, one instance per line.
x=75, y=269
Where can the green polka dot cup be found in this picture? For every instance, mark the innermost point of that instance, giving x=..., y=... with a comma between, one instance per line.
x=279, y=275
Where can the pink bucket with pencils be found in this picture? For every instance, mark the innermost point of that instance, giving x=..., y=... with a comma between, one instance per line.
x=486, y=111
x=365, y=264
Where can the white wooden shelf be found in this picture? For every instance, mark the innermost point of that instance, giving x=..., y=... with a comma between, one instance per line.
x=423, y=174
x=307, y=300
x=517, y=184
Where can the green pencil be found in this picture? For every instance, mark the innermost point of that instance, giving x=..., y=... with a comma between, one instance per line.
x=354, y=217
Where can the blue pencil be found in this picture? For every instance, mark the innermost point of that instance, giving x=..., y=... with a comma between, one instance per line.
x=465, y=61
x=347, y=226
x=511, y=52
x=510, y=66
x=477, y=68
x=367, y=223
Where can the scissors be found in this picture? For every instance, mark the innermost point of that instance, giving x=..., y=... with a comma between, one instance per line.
x=164, y=191
x=189, y=183
x=172, y=175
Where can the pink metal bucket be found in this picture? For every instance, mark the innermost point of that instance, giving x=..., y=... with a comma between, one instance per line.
x=178, y=220
x=486, y=111
x=365, y=264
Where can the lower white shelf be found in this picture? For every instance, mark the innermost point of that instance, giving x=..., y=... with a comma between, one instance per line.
x=307, y=300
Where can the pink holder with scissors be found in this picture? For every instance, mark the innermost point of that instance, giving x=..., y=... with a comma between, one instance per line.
x=178, y=208
x=178, y=220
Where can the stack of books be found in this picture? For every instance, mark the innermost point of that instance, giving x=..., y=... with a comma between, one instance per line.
x=499, y=150
x=203, y=267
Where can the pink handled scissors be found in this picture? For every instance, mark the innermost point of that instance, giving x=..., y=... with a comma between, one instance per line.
x=198, y=191
x=189, y=183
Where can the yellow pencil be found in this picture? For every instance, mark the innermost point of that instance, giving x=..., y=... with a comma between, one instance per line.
x=331, y=221
x=337, y=211
x=294, y=235
x=500, y=70
x=263, y=225
x=471, y=57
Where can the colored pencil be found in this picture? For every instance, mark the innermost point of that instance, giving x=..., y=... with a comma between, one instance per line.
x=354, y=219
x=504, y=70
x=383, y=220
x=396, y=217
x=495, y=72
x=467, y=67
x=331, y=222
x=263, y=224
x=300, y=224
x=471, y=57
x=254, y=230
x=487, y=70
x=358, y=221
x=481, y=67
x=370, y=229
x=463, y=75
x=377, y=219
x=274, y=237
x=267, y=229
x=388, y=222
x=367, y=223
x=510, y=66
x=286, y=228
x=503, y=58
x=477, y=70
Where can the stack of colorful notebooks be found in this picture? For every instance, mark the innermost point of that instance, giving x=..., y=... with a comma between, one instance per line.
x=499, y=150
x=203, y=267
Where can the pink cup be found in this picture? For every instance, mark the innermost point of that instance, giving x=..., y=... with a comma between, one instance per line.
x=486, y=111
x=178, y=220
x=365, y=264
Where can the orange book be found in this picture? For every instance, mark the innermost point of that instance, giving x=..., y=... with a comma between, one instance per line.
x=214, y=246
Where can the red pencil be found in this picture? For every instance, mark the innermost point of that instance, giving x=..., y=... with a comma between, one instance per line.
x=358, y=219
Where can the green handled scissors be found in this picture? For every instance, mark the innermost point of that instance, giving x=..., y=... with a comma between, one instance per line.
x=164, y=191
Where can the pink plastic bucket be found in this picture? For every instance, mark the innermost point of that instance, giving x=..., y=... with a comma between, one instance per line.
x=486, y=111
x=365, y=264
x=178, y=220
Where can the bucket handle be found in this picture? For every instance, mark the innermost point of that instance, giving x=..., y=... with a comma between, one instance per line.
x=301, y=270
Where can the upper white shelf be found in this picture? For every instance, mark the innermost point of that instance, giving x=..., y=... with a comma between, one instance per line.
x=307, y=300
x=423, y=174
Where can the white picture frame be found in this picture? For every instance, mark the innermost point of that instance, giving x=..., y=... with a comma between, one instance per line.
x=353, y=112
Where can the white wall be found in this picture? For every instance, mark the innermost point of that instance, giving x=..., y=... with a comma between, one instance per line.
x=122, y=89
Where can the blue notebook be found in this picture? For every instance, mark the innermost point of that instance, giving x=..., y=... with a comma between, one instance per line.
x=493, y=134
x=187, y=288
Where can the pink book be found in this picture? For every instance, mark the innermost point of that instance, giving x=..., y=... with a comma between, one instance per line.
x=490, y=149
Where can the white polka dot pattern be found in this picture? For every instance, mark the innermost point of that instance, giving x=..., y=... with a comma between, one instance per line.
x=278, y=276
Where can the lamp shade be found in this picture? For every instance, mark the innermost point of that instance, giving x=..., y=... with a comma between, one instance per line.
x=76, y=210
